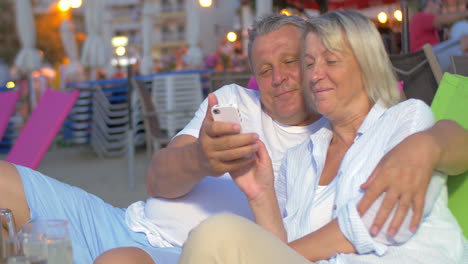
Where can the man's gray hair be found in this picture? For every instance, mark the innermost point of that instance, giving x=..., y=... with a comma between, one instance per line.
x=269, y=23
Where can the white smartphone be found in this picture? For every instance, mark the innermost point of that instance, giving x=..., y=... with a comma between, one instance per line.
x=226, y=113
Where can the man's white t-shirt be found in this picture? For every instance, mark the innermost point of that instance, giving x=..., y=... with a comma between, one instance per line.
x=167, y=222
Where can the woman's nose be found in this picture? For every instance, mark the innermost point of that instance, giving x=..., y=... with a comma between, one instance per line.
x=316, y=73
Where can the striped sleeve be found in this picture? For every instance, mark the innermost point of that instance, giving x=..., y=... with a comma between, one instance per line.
x=411, y=116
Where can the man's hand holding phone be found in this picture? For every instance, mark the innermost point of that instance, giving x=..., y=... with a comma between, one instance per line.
x=221, y=145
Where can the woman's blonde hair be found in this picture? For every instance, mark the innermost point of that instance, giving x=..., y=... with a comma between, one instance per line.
x=341, y=28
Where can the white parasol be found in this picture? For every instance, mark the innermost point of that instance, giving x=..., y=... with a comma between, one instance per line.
x=74, y=70
x=147, y=65
x=109, y=49
x=194, y=57
x=29, y=58
x=94, y=53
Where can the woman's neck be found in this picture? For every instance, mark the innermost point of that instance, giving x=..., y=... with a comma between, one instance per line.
x=345, y=128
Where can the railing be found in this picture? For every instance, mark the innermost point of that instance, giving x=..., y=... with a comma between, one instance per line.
x=172, y=8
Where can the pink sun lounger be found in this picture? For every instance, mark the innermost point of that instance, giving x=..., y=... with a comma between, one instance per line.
x=41, y=128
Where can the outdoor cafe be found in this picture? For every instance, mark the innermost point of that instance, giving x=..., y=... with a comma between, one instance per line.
x=114, y=96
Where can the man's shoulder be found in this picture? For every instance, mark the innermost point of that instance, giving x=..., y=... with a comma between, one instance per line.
x=233, y=93
x=234, y=88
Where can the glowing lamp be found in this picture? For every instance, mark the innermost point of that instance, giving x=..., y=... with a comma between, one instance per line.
x=231, y=36
x=398, y=15
x=382, y=17
x=120, y=51
x=63, y=5
x=205, y=3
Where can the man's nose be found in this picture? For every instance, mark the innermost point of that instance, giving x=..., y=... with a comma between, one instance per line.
x=278, y=76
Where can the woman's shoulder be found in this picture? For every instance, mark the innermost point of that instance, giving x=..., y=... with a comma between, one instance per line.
x=412, y=112
x=411, y=106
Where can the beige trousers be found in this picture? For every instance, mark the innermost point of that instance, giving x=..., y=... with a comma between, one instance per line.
x=231, y=239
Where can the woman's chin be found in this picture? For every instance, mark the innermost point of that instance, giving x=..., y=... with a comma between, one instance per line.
x=323, y=108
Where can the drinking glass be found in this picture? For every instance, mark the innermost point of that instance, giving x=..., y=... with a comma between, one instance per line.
x=24, y=260
x=8, y=244
x=55, y=231
x=32, y=247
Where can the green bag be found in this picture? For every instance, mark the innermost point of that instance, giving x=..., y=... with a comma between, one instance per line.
x=451, y=102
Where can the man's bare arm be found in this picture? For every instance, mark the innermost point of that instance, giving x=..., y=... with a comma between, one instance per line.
x=448, y=18
x=176, y=169
x=452, y=140
x=178, y=158
x=405, y=171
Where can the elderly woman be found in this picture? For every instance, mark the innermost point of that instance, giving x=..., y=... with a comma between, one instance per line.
x=348, y=79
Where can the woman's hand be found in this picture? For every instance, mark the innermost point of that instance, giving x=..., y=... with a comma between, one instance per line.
x=257, y=182
x=256, y=179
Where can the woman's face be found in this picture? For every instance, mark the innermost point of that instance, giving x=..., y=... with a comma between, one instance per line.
x=334, y=80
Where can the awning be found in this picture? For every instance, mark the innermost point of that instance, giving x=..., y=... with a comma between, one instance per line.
x=341, y=4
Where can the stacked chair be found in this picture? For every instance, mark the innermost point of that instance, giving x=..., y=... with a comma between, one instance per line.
x=110, y=123
x=10, y=120
x=177, y=96
x=218, y=79
x=460, y=65
x=77, y=126
x=154, y=138
x=444, y=50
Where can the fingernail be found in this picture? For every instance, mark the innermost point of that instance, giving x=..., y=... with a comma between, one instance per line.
x=374, y=230
x=413, y=229
x=392, y=232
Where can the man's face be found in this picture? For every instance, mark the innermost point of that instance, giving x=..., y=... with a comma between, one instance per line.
x=277, y=68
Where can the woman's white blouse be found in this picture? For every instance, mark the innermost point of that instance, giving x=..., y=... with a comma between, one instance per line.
x=438, y=239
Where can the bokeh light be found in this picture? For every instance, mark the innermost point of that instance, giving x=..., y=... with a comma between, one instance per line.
x=398, y=15
x=63, y=5
x=231, y=36
x=120, y=51
x=205, y=3
x=75, y=3
x=285, y=12
x=10, y=85
x=382, y=17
